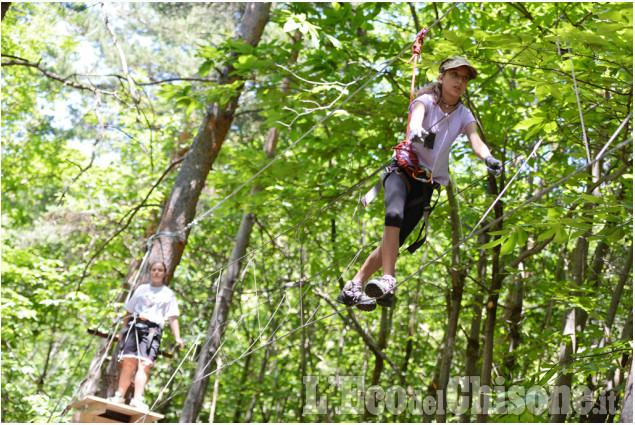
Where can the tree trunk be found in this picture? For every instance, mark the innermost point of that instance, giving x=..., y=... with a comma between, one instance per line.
x=382, y=341
x=52, y=342
x=261, y=377
x=196, y=394
x=614, y=379
x=515, y=311
x=270, y=148
x=5, y=7
x=574, y=322
x=627, y=406
x=411, y=329
x=180, y=209
x=473, y=342
x=617, y=294
x=241, y=389
x=212, y=412
x=304, y=340
x=458, y=282
x=490, y=318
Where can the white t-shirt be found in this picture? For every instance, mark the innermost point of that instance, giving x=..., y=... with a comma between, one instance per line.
x=447, y=128
x=153, y=303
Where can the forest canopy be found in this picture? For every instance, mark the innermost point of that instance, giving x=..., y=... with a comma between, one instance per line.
x=233, y=142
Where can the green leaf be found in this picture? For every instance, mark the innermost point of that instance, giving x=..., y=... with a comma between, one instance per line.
x=335, y=41
x=530, y=122
x=561, y=235
x=547, y=234
x=509, y=244
x=494, y=243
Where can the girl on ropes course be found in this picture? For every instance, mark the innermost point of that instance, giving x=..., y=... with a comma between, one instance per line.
x=420, y=164
x=147, y=307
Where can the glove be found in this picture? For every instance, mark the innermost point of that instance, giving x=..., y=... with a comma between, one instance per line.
x=417, y=134
x=494, y=166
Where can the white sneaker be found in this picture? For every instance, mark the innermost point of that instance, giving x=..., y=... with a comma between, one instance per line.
x=117, y=398
x=138, y=403
x=383, y=289
x=352, y=295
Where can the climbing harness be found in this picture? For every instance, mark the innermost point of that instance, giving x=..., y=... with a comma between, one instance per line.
x=427, y=210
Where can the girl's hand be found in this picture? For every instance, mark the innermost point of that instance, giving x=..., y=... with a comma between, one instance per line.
x=179, y=341
x=494, y=166
x=417, y=134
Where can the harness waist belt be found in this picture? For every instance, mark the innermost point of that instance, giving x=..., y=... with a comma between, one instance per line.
x=148, y=321
x=374, y=191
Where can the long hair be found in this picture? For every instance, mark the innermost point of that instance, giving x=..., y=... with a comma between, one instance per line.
x=435, y=89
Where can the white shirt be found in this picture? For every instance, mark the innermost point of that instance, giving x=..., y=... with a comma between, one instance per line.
x=153, y=303
x=447, y=128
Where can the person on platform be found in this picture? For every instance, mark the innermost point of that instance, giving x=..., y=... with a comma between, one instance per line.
x=140, y=338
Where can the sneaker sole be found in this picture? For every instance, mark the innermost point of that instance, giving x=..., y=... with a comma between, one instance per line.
x=361, y=306
x=373, y=290
x=366, y=306
x=386, y=301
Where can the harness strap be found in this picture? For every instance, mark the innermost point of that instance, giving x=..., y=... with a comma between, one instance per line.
x=426, y=214
x=374, y=191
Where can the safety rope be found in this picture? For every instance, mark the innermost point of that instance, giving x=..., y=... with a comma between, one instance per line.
x=334, y=109
x=197, y=220
x=111, y=337
x=423, y=267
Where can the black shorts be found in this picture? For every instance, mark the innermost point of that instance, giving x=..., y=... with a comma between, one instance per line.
x=142, y=341
x=405, y=203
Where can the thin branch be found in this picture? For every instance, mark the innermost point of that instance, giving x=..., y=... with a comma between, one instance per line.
x=122, y=56
x=557, y=71
x=413, y=11
x=522, y=10
x=436, y=14
x=100, y=135
x=530, y=252
x=612, y=177
x=396, y=84
x=167, y=80
x=577, y=96
x=583, y=20
x=65, y=80
x=130, y=215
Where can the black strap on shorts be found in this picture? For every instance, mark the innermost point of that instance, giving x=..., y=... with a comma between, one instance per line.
x=427, y=210
x=426, y=214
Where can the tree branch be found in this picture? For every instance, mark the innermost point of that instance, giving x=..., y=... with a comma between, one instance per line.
x=612, y=177
x=130, y=215
x=167, y=80
x=100, y=135
x=413, y=11
x=50, y=74
x=522, y=10
x=5, y=7
x=353, y=323
x=122, y=56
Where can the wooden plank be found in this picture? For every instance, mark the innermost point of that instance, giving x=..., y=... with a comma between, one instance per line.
x=94, y=409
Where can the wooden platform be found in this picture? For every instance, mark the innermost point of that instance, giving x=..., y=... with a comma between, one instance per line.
x=96, y=409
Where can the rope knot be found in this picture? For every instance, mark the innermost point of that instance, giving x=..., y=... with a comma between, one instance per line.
x=416, y=46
